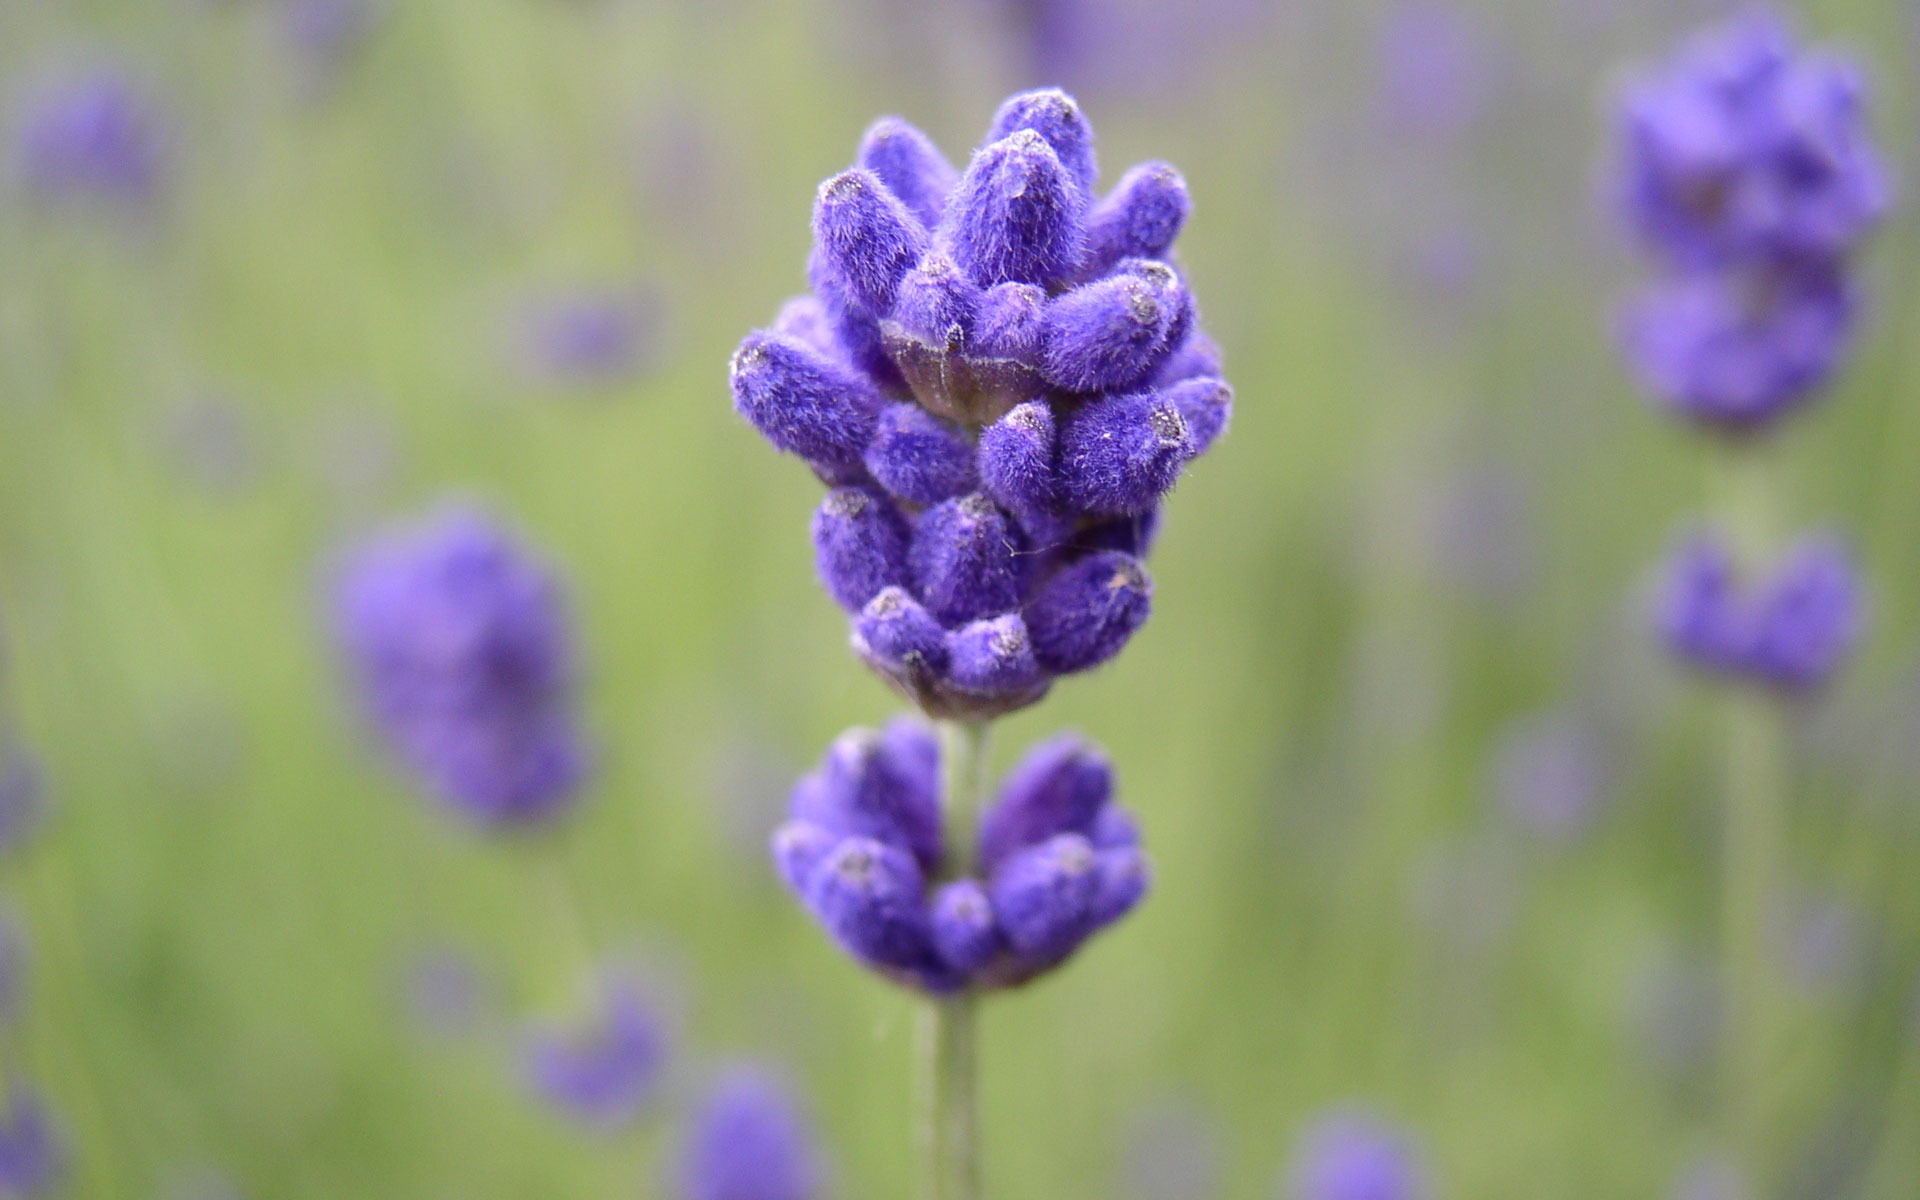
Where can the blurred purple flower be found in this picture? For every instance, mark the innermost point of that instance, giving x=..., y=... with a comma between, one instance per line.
x=92, y=135
x=33, y=1156
x=602, y=1073
x=322, y=34
x=591, y=338
x=1550, y=774
x=1790, y=630
x=1746, y=148
x=460, y=642
x=1673, y=1015
x=1824, y=940
x=749, y=1140
x=23, y=793
x=1350, y=1154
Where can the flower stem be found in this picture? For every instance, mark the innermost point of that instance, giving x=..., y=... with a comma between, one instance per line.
x=949, y=1101
x=1753, y=841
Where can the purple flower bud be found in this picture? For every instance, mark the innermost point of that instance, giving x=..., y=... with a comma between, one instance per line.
x=1045, y=896
x=856, y=332
x=966, y=560
x=1112, y=333
x=1057, y=118
x=1140, y=218
x=1017, y=214
x=799, y=847
x=1206, y=405
x=867, y=237
x=749, y=1140
x=1061, y=786
x=879, y=785
x=869, y=896
x=1737, y=351
x=1114, y=829
x=993, y=657
x=919, y=457
x=1016, y=459
x=805, y=402
x=964, y=934
x=91, y=136
x=1350, y=1155
x=1810, y=616
x=899, y=637
x=1125, y=876
x=805, y=319
x=1196, y=355
x=460, y=643
x=911, y=166
x=1011, y=323
x=1119, y=454
x=937, y=303
x=1698, y=606
x=860, y=545
x=33, y=1155
x=1745, y=146
x=589, y=337
x=602, y=1074
x=1087, y=612
x=1791, y=630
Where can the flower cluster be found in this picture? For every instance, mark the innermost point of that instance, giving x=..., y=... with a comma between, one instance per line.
x=866, y=852
x=999, y=376
x=1749, y=174
x=605, y=1072
x=91, y=136
x=460, y=643
x=1790, y=629
x=749, y=1140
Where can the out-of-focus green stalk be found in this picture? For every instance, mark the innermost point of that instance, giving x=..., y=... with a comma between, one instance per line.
x=1753, y=838
x=949, y=1067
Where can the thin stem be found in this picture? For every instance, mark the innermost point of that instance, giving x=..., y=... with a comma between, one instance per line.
x=949, y=1101
x=1753, y=840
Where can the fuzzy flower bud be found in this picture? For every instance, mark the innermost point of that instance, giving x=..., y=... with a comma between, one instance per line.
x=461, y=647
x=1790, y=630
x=860, y=545
x=749, y=1140
x=1140, y=218
x=867, y=238
x=1017, y=214
x=1058, y=862
x=1086, y=613
x=911, y=167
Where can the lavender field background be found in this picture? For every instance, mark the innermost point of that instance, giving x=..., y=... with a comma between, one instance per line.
x=1432, y=817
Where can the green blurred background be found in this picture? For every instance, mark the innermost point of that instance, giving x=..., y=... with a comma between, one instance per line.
x=1433, y=518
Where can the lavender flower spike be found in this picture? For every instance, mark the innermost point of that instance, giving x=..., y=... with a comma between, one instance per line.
x=1790, y=630
x=1007, y=367
x=94, y=136
x=1058, y=861
x=1351, y=1155
x=33, y=1155
x=460, y=644
x=749, y=1141
x=604, y=1073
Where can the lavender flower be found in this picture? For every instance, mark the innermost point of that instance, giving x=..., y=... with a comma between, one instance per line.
x=1434, y=64
x=1790, y=630
x=749, y=1141
x=1351, y=1155
x=605, y=1072
x=1747, y=170
x=1711, y=1177
x=995, y=368
x=863, y=849
x=459, y=641
x=1747, y=148
x=33, y=1155
x=93, y=136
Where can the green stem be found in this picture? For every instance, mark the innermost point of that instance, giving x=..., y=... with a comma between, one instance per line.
x=1753, y=840
x=949, y=1101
